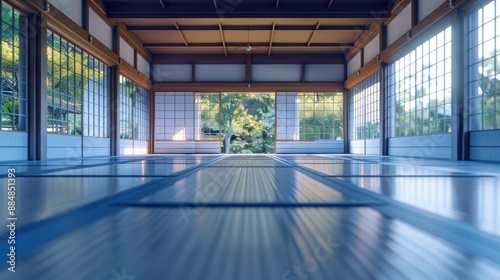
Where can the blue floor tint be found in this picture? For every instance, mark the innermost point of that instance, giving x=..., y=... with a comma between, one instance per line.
x=255, y=217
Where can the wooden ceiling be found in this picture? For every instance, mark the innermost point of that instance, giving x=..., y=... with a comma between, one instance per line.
x=226, y=27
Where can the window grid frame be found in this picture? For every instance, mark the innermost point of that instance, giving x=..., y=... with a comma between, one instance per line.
x=18, y=43
x=411, y=81
x=364, y=104
x=483, y=33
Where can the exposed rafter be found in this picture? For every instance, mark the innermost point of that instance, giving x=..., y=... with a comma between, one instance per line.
x=182, y=34
x=222, y=38
x=312, y=34
x=271, y=41
x=148, y=10
x=251, y=28
x=244, y=44
x=163, y=4
x=330, y=3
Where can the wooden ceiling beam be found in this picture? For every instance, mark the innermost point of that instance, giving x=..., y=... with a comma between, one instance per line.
x=271, y=41
x=222, y=38
x=246, y=9
x=313, y=33
x=251, y=28
x=182, y=34
x=244, y=44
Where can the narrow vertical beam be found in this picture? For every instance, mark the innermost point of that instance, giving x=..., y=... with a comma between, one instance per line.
x=37, y=96
x=345, y=129
x=152, y=108
x=330, y=3
x=222, y=38
x=459, y=112
x=182, y=34
x=414, y=13
x=215, y=4
x=272, y=38
x=277, y=3
x=383, y=114
x=85, y=15
x=114, y=110
x=135, y=58
x=115, y=98
x=313, y=33
x=248, y=63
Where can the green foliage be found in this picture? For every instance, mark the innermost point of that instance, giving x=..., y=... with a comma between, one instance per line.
x=321, y=116
x=247, y=123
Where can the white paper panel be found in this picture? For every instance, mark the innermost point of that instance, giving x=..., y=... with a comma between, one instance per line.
x=220, y=72
x=276, y=72
x=100, y=30
x=172, y=73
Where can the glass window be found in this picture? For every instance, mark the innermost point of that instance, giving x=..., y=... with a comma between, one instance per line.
x=419, y=84
x=78, y=90
x=309, y=116
x=14, y=70
x=484, y=67
x=96, y=97
x=134, y=110
x=364, y=110
x=207, y=123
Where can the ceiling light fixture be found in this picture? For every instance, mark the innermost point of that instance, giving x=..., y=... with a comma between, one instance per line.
x=248, y=47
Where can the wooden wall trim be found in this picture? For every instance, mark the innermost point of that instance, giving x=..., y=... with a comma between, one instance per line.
x=254, y=87
x=62, y=24
x=134, y=75
x=390, y=53
x=20, y=5
x=134, y=42
x=369, y=69
x=363, y=40
x=100, y=11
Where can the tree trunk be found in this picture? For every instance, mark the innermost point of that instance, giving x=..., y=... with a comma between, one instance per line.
x=227, y=142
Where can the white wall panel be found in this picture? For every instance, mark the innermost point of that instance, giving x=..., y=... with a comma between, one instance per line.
x=276, y=72
x=485, y=145
x=423, y=146
x=324, y=73
x=399, y=25
x=371, y=50
x=357, y=147
x=354, y=65
x=126, y=147
x=71, y=8
x=64, y=146
x=425, y=7
x=310, y=147
x=13, y=146
x=100, y=30
x=172, y=72
x=220, y=72
x=143, y=66
x=93, y=146
x=126, y=52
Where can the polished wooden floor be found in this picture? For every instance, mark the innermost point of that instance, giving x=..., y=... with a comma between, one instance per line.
x=254, y=217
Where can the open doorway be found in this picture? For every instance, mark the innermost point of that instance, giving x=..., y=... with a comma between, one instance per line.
x=247, y=123
x=244, y=123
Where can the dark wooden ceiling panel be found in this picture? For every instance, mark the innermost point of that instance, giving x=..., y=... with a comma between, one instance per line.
x=301, y=27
